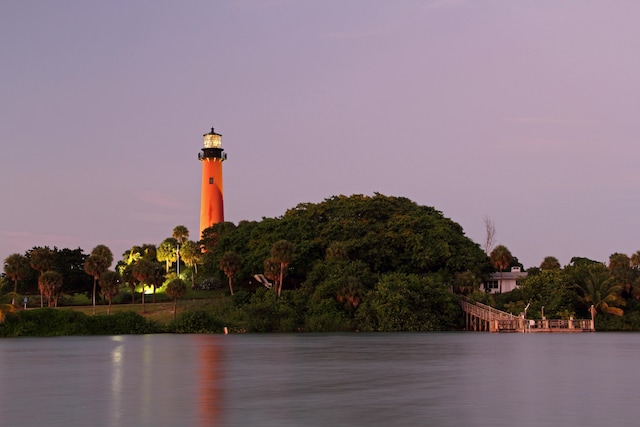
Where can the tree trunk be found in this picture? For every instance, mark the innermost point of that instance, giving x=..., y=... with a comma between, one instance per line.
x=175, y=306
x=94, y=294
x=15, y=291
x=281, y=278
x=230, y=285
x=143, y=311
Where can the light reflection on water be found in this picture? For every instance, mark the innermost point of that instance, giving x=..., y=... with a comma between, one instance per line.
x=437, y=379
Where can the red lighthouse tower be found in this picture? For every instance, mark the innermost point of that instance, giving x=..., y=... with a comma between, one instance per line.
x=212, y=198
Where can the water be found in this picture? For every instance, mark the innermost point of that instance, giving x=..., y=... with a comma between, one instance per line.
x=431, y=379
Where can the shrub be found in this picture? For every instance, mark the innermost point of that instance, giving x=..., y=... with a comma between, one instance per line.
x=46, y=322
x=210, y=284
x=57, y=322
x=123, y=323
x=195, y=322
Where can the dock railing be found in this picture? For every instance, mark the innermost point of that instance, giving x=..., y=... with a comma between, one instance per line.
x=481, y=317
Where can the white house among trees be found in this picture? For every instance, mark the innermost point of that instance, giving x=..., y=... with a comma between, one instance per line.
x=509, y=281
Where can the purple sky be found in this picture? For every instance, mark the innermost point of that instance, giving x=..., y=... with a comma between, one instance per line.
x=522, y=111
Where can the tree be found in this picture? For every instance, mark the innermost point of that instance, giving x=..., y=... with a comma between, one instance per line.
x=230, y=263
x=620, y=268
x=167, y=251
x=49, y=283
x=408, y=302
x=147, y=251
x=272, y=271
x=104, y=253
x=600, y=289
x=16, y=267
x=190, y=253
x=550, y=288
x=501, y=259
x=96, y=264
x=550, y=263
x=465, y=282
x=143, y=271
x=490, y=235
x=109, y=286
x=635, y=260
x=41, y=259
x=282, y=252
x=5, y=308
x=181, y=234
x=130, y=280
x=157, y=278
x=176, y=289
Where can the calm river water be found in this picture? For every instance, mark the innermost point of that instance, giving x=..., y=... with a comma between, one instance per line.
x=430, y=379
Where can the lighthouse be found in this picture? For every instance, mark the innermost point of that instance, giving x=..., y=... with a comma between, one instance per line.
x=212, y=197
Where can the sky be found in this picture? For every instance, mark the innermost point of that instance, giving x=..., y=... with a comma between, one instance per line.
x=523, y=112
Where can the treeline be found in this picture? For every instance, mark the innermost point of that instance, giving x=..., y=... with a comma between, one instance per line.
x=60, y=322
x=357, y=263
x=348, y=263
x=613, y=290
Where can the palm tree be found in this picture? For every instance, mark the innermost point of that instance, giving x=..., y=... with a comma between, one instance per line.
x=550, y=263
x=350, y=294
x=272, y=271
x=41, y=260
x=109, y=286
x=181, y=234
x=130, y=280
x=103, y=252
x=16, y=267
x=157, y=278
x=94, y=266
x=167, y=251
x=6, y=308
x=282, y=251
x=190, y=252
x=599, y=288
x=143, y=271
x=176, y=289
x=230, y=263
x=501, y=259
x=49, y=283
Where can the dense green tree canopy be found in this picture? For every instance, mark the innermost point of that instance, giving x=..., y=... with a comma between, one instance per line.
x=388, y=234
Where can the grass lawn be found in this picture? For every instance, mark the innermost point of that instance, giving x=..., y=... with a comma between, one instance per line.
x=161, y=311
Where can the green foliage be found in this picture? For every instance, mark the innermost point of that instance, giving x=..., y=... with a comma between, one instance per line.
x=268, y=313
x=388, y=234
x=551, y=289
x=122, y=323
x=59, y=322
x=196, y=322
x=408, y=302
x=324, y=316
x=600, y=289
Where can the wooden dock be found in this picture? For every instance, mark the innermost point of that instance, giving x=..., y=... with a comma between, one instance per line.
x=481, y=317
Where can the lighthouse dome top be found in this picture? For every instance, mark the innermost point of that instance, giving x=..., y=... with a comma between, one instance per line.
x=212, y=139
